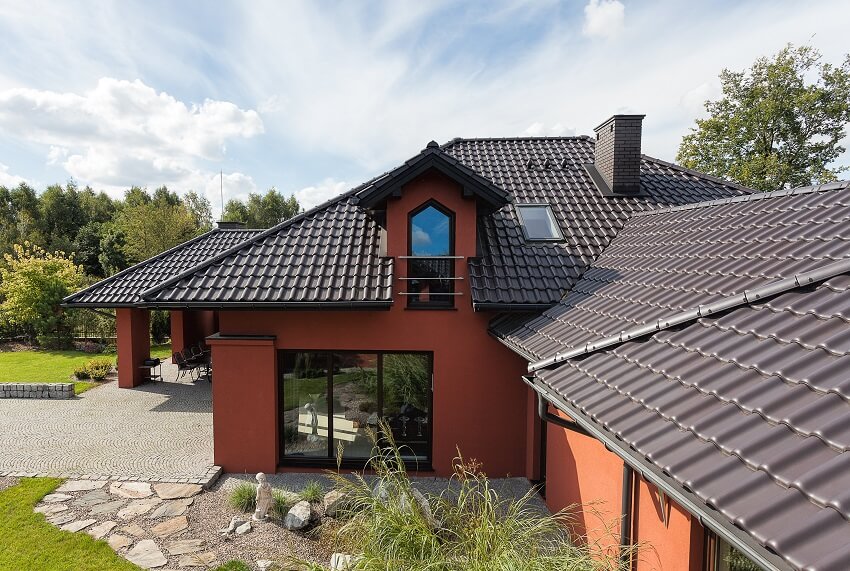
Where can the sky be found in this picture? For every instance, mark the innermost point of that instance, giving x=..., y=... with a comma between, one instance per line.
x=316, y=97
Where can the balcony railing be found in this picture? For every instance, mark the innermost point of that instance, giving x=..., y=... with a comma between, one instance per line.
x=430, y=280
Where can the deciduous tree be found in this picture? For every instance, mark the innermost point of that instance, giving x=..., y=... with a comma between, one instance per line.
x=776, y=125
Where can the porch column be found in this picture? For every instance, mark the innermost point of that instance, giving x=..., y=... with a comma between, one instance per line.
x=245, y=401
x=178, y=330
x=134, y=344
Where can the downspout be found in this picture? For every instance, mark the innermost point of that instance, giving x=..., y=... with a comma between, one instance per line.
x=545, y=415
x=628, y=478
x=626, y=522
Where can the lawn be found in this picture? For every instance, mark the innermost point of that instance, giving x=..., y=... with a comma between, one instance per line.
x=54, y=366
x=29, y=542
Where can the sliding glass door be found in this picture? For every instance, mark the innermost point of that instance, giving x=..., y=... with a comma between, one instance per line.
x=331, y=401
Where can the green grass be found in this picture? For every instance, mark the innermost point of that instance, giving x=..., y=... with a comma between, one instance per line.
x=316, y=385
x=55, y=366
x=29, y=542
x=313, y=492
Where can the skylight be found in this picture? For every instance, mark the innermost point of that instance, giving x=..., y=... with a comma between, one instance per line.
x=538, y=222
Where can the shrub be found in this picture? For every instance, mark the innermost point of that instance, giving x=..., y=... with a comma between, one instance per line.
x=244, y=497
x=89, y=347
x=313, y=492
x=81, y=373
x=99, y=368
x=54, y=342
x=233, y=565
x=281, y=502
x=469, y=528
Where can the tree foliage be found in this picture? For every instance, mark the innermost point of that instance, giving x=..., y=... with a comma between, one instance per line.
x=32, y=285
x=262, y=211
x=777, y=125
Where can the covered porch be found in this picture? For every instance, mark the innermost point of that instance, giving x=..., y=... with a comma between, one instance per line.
x=189, y=329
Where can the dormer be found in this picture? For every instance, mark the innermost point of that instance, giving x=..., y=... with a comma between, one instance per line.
x=430, y=208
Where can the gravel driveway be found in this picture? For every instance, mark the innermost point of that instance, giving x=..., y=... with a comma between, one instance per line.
x=152, y=432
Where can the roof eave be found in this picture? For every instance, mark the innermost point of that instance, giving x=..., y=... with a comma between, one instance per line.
x=651, y=473
x=251, y=305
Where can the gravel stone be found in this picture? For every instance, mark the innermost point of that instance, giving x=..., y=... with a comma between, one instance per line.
x=118, y=542
x=101, y=529
x=146, y=555
x=78, y=525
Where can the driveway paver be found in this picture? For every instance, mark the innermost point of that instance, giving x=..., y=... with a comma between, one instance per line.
x=155, y=431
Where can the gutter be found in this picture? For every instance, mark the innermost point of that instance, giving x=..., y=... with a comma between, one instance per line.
x=749, y=296
x=708, y=517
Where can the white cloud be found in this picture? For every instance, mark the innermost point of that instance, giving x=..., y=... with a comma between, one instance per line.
x=538, y=129
x=9, y=180
x=125, y=132
x=311, y=196
x=603, y=18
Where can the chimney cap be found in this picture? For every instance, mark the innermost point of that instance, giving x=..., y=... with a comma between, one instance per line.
x=230, y=225
x=616, y=117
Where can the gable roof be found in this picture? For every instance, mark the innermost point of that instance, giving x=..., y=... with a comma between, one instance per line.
x=432, y=158
x=513, y=273
x=733, y=393
x=123, y=288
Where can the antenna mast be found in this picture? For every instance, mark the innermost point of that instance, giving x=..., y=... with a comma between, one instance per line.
x=221, y=190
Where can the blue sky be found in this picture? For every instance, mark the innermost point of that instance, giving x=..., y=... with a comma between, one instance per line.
x=315, y=97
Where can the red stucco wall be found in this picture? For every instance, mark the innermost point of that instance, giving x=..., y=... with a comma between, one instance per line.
x=479, y=400
x=134, y=344
x=580, y=472
x=245, y=432
x=190, y=327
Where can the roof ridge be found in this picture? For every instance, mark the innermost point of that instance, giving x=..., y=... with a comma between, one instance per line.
x=699, y=174
x=520, y=138
x=827, y=187
x=265, y=233
x=702, y=310
x=141, y=264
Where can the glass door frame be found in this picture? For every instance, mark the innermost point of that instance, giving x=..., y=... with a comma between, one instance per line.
x=330, y=461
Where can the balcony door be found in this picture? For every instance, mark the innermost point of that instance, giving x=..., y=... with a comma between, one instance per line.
x=330, y=401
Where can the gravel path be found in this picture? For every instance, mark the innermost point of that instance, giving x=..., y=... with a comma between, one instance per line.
x=155, y=431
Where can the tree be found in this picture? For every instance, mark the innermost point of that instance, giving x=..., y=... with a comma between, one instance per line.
x=112, y=257
x=200, y=209
x=62, y=216
x=154, y=227
x=87, y=249
x=32, y=285
x=262, y=211
x=776, y=126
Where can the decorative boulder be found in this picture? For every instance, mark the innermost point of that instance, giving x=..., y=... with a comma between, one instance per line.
x=299, y=516
x=344, y=561
x=382, y=493
x=334, y=502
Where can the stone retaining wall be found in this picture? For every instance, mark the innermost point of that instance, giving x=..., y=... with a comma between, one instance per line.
x=36, y=390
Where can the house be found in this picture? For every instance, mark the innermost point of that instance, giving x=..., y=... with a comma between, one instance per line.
x=459, y=297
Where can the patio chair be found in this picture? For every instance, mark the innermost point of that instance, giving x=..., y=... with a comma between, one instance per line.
x=184, y=365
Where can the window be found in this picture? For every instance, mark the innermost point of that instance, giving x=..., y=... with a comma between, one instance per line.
x=538, y=222
x=721, y=556
x=330, y=401
x=431, y=263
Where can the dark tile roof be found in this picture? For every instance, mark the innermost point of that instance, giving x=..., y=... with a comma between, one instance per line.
x=123, y=288
x=710, y=345
x=331, y=254
x=673, y=260
x=511, y=270
x=748, y=410
x=328, y=256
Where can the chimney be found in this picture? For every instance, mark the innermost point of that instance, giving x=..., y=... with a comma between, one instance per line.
x=230, y=225
x=616, y=166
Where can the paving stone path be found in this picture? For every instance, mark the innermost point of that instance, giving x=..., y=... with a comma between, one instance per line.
x=150, y=540
x=153, y=432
